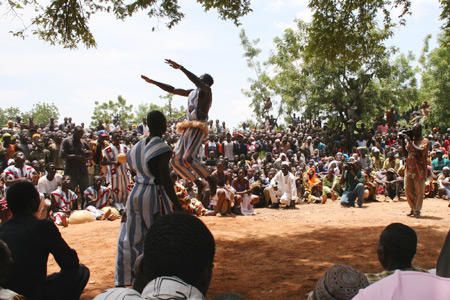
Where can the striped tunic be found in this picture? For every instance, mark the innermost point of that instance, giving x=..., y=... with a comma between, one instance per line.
x=146, y=201
x=117, y=175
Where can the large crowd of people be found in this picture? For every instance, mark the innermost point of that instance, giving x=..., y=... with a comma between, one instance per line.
x=61, y=174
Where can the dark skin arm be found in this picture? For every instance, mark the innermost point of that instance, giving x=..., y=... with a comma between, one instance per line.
x=159, y=166
x=167, y=88
x=192, y=77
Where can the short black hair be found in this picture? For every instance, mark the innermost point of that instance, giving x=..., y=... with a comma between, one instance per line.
x=6, y=262
x=179, y=245
x=399, y=243
x=22, y=198
x=206, y=78
x=157, y=123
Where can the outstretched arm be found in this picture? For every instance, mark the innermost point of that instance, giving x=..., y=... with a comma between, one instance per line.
x=166, y=87
x=192, y=77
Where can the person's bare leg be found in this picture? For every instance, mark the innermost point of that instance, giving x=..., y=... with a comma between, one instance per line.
x=324, y=199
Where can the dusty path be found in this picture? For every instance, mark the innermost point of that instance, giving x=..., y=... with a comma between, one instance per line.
x=279, y=254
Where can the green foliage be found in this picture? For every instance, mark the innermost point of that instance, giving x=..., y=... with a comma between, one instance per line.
x=106, y=112
x=171, y=113
x=259, y=88
x=66, y=22
x=436, y=82
x=348, y=30
x=9, y=113
x=42, y=112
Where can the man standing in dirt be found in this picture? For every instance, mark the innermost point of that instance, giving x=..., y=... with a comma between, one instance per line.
x=416, y=169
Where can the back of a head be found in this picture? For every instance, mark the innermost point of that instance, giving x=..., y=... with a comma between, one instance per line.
x=156, y=122
x=399, y=245
x=22, y=198
x=180, y=245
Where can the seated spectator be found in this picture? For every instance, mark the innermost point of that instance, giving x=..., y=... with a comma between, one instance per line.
x=353, y=181
x=6, y=263
x=407, y=285
x=439, y=162
x=329, y=186
x=396, y=250
x=177, y=262
x=339, y=282
x=443, y=182
x=443, y=263
x=64, y=201
x=99, y=201
x=391, y=184
x=313, y=186
x=243, y=199
x=50, y=182
x=283, y=188
x=31, y=241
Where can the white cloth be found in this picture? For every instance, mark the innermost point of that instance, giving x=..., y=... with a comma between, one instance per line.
x=228, y=150
x=46, y=186
x=160, y=288
x=407, y=285
x=191, y=113
x=287, y=189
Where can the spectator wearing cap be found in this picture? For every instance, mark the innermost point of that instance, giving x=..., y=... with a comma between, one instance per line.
x=339, y=282
x=352, y=180
x=439, y=162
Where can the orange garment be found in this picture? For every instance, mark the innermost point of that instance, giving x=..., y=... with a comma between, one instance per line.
x=312, y=180
x=417, y=160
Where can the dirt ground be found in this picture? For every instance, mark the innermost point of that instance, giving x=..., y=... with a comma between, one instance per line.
x=279, y=254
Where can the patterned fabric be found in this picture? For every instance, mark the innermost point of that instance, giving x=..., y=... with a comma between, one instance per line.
x=146, y=201
x=117, y=175
x=186, y=162
x=64, y=200
x=101, y=197
x=161, y=288
x=12, y=172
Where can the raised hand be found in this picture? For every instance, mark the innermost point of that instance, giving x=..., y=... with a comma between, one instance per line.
x=147, y=79
x=173, y=64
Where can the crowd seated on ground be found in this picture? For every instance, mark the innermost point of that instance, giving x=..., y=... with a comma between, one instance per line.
x=63, y=174
x=259, y=166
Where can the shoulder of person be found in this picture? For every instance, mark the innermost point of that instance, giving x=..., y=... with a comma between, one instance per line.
x=119, y=294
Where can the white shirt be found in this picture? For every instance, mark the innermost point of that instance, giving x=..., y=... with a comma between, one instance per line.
x=228, y=150
x=46, y=186
x=286, y=184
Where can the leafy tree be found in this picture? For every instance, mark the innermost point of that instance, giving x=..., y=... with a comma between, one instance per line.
x=436, y=81
x=259, y=90
x=109, y=111
x=171, y=113
x=9, y=113
x=66, y=22
x=42, y=112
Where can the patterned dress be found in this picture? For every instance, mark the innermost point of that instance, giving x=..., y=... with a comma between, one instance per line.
x=147, y=200
x=63, y=202
x=117, y=175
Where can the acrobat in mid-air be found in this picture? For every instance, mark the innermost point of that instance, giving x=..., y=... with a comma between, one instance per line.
x=193, y=130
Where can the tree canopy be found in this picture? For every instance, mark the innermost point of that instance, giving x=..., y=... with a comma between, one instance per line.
x=40, y=113
x=66, y=22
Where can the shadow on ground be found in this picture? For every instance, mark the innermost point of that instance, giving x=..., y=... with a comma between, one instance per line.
x=287, y=266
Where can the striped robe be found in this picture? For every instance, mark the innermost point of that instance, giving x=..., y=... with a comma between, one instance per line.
x=146, y=201
x=117, y=175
